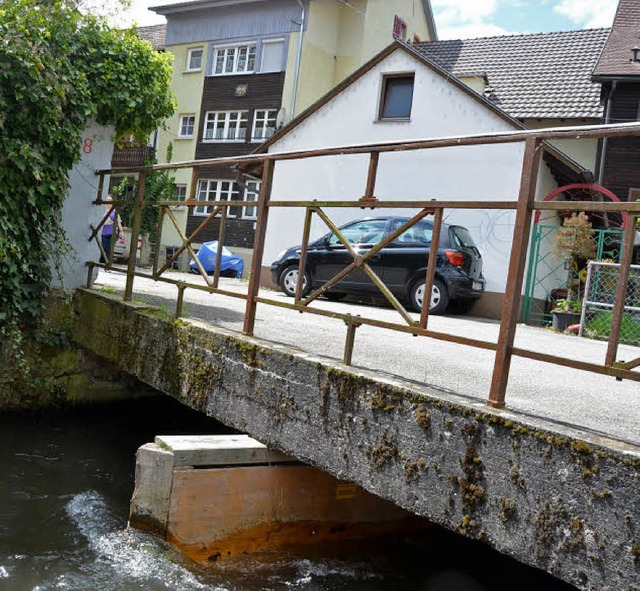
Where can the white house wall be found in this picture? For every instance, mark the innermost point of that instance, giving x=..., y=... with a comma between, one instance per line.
x=439, y=109
x=78, y=211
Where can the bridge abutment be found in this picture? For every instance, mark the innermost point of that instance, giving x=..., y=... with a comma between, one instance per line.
x=218, y=497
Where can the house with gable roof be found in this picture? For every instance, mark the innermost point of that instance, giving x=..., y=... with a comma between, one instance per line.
x=437, y=104
x=618, y=71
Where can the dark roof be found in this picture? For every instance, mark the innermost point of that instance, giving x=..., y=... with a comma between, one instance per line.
x=156, y=34
x=571, y=170
x=615, y=60
x=534, y=76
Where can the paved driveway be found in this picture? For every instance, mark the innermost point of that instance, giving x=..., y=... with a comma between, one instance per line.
x=571, y=397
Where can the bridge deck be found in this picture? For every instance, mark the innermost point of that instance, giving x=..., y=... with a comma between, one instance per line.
x=598, y=404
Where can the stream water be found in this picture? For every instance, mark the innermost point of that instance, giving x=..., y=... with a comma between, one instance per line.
x=65, y=485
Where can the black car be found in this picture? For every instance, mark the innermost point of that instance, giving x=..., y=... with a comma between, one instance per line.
x=401, y=265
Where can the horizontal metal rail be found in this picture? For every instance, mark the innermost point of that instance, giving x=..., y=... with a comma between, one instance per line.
x=506, y=137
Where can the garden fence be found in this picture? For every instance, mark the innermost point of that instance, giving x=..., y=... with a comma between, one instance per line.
x=599, y=299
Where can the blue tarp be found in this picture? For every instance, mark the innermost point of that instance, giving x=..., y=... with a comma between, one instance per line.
x=231, y=265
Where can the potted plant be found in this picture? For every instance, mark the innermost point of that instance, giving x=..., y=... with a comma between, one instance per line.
x=566, y=313
x=574, y=243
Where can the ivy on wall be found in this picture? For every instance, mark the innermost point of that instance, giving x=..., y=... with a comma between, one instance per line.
x=58, y=69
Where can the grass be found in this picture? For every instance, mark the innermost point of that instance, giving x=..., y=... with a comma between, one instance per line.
x=599, y=327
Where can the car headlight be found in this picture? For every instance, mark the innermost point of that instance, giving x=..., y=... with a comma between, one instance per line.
x=281, y=254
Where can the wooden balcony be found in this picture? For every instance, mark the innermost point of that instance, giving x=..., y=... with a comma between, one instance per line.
x=131, y=155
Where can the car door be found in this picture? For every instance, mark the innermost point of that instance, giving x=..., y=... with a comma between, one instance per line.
x=406, y=254
x=333, y=257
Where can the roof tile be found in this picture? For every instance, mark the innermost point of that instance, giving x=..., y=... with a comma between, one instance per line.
x=534, y=76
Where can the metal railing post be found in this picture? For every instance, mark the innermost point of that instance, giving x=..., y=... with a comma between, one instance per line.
x=517, y=262
x=180, y=300
x=303, y=253
x=621, y=290
x=431, y=267
x=135, y=230
x=352, y=325
x=221, y=232
x=258, y=246
x=156, y=254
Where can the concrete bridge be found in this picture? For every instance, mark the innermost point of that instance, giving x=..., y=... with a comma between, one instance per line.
x=555, y=493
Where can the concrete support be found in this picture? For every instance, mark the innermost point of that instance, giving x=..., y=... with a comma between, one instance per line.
x=216, y=497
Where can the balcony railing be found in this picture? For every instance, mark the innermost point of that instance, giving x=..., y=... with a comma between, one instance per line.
x=132, y=155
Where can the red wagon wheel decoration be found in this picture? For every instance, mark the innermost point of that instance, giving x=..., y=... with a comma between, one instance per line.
x=587, y=192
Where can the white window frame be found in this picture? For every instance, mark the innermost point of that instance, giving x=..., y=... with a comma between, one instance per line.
x=264, y=42
x=231, y=122
x=190, y=53
x=228, y=190
x=215, y=190
x=251, y=188
x=264, y=119
x=232, y=52
x=181, y=194
x=181, y=125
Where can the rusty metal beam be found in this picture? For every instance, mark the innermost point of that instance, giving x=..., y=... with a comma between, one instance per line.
x=135, y=230
x=187, y=244
x=303, y=252
x=559, y=133
x=512, y=296
x=221, y=231
x=621, y=290
x=431, y=267
x=187, y=241
x=258, y=247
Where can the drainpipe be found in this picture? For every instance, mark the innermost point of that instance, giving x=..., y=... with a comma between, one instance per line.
x=298, y=60
x=607, y=119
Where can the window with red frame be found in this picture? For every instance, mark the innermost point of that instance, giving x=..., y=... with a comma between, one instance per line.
x=399, y=28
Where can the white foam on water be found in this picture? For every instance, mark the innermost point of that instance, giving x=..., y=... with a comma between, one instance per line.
x=4, y=573
x=128, y=555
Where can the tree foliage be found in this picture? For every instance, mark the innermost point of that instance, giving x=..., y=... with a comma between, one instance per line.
x=58, y=69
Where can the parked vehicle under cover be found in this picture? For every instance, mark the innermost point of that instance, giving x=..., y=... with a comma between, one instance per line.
x=401, y=265
x=231, y=265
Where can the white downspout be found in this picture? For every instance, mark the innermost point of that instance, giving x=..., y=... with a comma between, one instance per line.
x=298, y=60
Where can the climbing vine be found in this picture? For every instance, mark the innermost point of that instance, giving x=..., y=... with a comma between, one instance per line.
x=59, y=68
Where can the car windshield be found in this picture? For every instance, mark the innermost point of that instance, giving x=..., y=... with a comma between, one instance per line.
x=462, y=237
x=419, y=234
x=362, y=232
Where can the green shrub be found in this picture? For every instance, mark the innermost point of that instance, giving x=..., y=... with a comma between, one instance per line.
x=58, y=69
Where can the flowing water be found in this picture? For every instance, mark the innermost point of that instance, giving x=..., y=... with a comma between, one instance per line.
x=65, y=485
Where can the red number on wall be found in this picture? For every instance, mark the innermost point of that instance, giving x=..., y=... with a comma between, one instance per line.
x=87, y=145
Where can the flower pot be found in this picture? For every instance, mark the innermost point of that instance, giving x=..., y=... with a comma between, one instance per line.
x=562, y=319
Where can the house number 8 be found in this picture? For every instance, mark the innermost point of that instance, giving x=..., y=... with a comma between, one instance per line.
x=87, y=145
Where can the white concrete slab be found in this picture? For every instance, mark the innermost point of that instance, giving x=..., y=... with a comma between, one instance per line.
x=219, y=450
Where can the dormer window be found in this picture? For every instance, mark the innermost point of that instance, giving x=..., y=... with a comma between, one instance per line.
x=397, y=97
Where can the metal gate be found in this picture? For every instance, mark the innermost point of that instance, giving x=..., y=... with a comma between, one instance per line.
x=547, y=276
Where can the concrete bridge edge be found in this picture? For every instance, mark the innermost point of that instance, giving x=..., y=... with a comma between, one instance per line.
x=550, y=496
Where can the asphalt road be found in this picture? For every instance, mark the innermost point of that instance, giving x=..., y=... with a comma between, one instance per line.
x=590, y=402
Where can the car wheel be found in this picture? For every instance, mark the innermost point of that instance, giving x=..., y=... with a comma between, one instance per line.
x=335, y=296
x=439, y=296
x=289, y=280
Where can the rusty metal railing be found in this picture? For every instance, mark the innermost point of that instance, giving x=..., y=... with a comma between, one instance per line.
x=524, y=206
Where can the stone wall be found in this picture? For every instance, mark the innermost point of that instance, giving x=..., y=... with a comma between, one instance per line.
x=53, y=371
x=549, y=496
